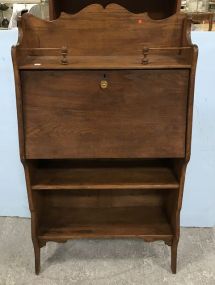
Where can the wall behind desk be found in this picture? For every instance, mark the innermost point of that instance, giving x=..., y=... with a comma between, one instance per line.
x=199, y=198
x=13, y=199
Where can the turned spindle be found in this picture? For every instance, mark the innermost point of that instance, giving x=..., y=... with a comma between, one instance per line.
x=145, y=59
x=64, y=53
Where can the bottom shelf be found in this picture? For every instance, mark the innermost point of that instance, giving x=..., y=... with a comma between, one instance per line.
x=149, y=222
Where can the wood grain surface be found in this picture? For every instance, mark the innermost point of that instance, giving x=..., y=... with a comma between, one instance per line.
x=105, y=104
x=70, y=116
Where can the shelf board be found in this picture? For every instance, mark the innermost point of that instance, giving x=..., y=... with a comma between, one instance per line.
x=105, y=62
x=67, y=223
x=104, y=178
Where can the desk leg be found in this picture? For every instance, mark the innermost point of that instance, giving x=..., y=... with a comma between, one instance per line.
x=174, y=248
x=36, y=244
x=211, y=23
x=37, y=257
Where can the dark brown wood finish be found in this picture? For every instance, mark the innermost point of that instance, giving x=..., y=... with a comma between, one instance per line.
x=104, y=101
x=105, y=123
x=140, y=29
x=105, y=175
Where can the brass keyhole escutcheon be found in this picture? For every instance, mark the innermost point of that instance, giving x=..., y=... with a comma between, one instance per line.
x=103, y=84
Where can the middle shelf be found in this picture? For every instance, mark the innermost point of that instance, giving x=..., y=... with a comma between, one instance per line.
x=64, y=175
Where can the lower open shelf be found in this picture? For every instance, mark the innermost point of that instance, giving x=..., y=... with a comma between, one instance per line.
x=67, y=223
x=74, y=175
x=139, y=200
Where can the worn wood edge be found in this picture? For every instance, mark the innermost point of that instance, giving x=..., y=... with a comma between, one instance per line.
x=72, y=67
x=186, y=31
x=186, y=40
x=42, y=187
x=19, y=106
x=148, y=238
x=20, y=31
x=190, y=102
x=26, y=165
x=188, y=138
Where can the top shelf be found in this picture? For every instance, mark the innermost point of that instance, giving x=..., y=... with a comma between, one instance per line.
x=105, y=62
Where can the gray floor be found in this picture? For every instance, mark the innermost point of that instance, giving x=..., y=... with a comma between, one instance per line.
x=105, y=262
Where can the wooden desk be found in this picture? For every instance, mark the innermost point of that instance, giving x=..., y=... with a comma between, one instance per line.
x=203, y=16
x=105, y=100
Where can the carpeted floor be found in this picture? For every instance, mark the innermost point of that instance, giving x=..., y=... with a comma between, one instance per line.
x=102, y=262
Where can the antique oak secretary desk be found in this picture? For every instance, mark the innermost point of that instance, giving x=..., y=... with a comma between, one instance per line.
x=105, y=98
